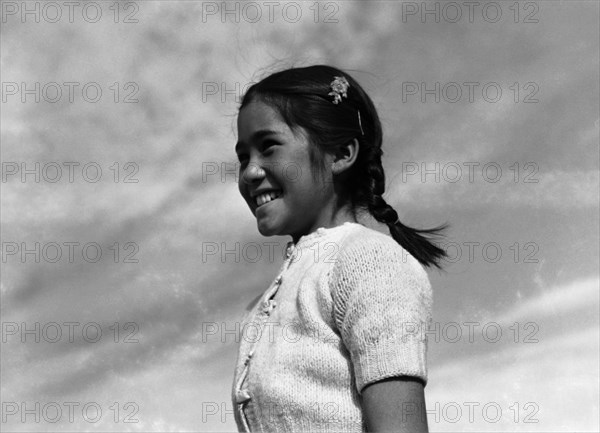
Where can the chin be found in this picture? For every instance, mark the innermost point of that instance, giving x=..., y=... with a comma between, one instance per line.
x=267, y=229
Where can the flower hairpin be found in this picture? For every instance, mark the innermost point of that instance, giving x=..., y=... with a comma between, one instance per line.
x=339, y=89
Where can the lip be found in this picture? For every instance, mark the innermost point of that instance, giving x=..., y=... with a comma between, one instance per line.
x=255, y=194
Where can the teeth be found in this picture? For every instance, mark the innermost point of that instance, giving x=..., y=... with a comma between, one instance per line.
x=267, y=197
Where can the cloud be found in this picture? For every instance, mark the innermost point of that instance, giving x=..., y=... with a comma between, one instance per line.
x=548, y=384
x=561, y=300
x=445, y=184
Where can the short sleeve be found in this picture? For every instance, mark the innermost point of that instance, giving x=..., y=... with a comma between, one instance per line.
x=382, y=308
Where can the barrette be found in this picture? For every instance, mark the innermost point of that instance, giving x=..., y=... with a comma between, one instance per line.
x=339, y=89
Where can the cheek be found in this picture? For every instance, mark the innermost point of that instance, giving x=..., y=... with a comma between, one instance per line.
x=302, y=194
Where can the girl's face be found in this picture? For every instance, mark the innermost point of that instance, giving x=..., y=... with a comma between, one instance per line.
x=275, y=160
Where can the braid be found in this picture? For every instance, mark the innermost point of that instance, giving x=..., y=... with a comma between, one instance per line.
x=413, y=240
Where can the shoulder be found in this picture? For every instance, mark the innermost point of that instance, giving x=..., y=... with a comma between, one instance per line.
x=372, y=268
x=365, y=250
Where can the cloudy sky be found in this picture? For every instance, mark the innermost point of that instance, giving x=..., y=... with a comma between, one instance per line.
x=128, y=254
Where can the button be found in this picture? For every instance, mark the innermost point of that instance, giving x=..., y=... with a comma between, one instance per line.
x=242, y=396
x=289, y=250
x=278, y=280
x=268, y=306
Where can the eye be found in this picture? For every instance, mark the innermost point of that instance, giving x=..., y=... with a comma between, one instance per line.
x=267, y=145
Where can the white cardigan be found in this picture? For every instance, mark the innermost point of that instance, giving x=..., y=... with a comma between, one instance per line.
x=349, y=307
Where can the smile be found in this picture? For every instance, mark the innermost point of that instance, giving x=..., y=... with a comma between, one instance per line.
x=266, y=197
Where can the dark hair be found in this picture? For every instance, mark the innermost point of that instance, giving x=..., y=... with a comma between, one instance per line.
x=300, y=96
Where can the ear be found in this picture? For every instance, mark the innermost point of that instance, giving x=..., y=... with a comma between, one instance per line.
x=345, y=157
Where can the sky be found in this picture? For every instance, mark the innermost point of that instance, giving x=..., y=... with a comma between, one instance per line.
x=128, y=254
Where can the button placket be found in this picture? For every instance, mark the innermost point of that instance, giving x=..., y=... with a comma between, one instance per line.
x=243, y=395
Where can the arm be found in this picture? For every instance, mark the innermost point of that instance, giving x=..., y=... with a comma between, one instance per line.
x=382, y=304
x=396, y=404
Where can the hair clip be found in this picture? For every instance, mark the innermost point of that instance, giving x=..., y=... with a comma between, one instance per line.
x=339, y=88
x=360, y=123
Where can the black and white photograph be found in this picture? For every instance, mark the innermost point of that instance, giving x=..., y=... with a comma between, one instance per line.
x=300, y=216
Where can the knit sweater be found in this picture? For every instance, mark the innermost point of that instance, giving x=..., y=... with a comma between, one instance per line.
x=341, y=314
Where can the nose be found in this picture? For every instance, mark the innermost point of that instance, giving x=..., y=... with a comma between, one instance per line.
x=253, y=173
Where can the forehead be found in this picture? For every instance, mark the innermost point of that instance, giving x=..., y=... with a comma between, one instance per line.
x=258, y=116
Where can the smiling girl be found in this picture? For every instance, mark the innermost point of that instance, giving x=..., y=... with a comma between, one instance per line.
x=338, y=342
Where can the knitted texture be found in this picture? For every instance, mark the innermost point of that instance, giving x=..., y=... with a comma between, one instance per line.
x=350, y=310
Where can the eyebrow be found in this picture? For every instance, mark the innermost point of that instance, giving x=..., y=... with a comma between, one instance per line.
x=256, y=136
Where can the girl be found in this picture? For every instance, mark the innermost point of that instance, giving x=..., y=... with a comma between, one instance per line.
x=337, y=341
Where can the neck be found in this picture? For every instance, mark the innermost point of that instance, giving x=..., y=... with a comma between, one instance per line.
x=328, y=220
